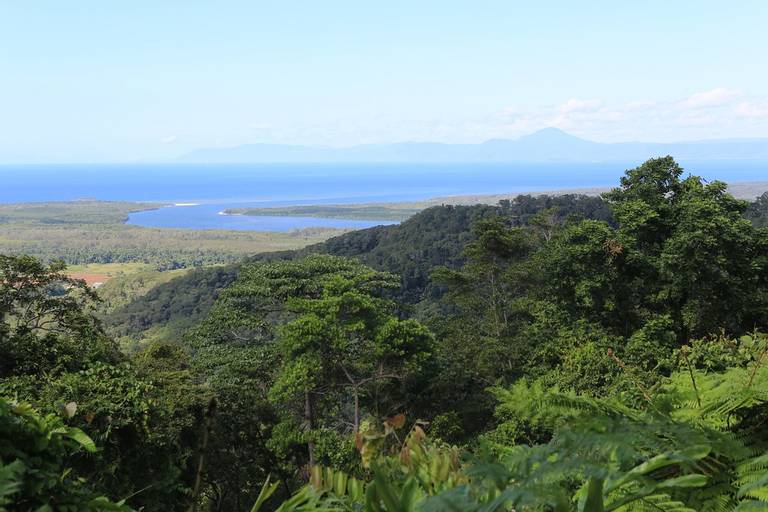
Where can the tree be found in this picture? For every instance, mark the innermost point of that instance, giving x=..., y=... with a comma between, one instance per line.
x=681, y=249
x=347, y=342
x=53, y=351
x=690, y=250
x=47, y=323
x=694, y=444
x=490, y=281
x=583, y=270
x=477, y=326
x=757, y=212
x=265, y=338
x=676, y=260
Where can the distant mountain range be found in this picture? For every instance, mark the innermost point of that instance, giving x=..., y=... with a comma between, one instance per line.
x=547, y=145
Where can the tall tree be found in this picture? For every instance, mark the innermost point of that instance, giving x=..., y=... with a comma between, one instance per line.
x=289, y=345
x=347, y=343
x=690, y=250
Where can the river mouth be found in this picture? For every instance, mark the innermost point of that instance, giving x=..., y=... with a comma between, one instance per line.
x=211, y=216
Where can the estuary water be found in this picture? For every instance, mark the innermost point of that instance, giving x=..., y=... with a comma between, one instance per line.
x=210, y=216
x=207, y=189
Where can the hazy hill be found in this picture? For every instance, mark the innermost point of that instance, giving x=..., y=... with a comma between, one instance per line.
x=549, y=144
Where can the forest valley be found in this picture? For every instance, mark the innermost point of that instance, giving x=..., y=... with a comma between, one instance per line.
x=548, y=354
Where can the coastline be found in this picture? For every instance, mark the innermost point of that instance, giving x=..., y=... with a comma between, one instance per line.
x=401, y=210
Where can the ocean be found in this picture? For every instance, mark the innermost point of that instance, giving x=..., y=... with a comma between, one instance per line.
x=213, y=187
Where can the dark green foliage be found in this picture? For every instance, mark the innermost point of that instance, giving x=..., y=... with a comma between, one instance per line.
x=525, y=210
x=681, y=262
x=431, y=238
x=686, y=248
x=296, y=353
x=54, y=351
x=346, y=346
x=476, y=346
x=35, y=454
x=552, y=298
x=688, y=447
x=146, y=428
x=581, y=268
x=616, y=336
x=411, y=250
x=178, y=304
x=437, y=237
x=46, y=320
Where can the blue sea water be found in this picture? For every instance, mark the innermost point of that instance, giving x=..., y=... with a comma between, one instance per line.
x=209, y=216
x=214, y=187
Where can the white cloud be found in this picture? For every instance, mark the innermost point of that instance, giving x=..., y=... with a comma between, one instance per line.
x=638, y=105
x=719, y=112
x=752, y=110
x=713, y=98
x=169, y=139
x=577, y=105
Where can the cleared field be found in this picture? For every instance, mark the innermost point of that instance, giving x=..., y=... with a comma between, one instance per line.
x=122, y=288
x=110, y=269
x=101, y=273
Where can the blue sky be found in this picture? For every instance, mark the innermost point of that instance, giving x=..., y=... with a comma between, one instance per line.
x=116, y=81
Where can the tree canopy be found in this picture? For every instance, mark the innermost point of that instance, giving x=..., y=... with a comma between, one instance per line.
x=548, y=354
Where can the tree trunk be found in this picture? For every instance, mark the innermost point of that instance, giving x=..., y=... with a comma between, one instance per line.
x=200, y=470
x=357, y=411
x=309, y=421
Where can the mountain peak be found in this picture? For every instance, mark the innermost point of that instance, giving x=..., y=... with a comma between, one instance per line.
x=550, y=134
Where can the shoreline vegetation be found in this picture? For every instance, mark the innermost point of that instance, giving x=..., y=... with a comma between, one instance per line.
x=94, y=232
x=400, y=211
x=89, y=231
x=383, y=211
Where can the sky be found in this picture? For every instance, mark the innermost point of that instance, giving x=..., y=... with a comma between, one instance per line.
x=143, y=80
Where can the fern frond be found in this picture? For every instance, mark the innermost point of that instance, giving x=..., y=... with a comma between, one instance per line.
x=655, y=503
x=753, y=479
